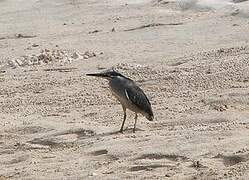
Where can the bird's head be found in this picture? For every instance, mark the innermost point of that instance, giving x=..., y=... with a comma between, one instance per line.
x=107, y=74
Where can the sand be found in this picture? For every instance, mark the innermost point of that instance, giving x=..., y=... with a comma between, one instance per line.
x=190, y=57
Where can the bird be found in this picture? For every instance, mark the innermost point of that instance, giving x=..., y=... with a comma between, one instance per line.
x=128, y=93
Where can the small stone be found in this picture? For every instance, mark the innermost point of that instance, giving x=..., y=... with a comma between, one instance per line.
x=35, y=45
x=167, y=175
x=95, y=31
x=108, y=172
x=88, y=54
x=93, y=174
x=75, y=55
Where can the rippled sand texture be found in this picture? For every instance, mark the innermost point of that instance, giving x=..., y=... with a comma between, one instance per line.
x=190, y=57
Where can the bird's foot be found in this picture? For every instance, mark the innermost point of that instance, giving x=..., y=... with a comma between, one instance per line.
x=121, y=131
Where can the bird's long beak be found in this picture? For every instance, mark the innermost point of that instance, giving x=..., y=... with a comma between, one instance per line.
x=103, y=75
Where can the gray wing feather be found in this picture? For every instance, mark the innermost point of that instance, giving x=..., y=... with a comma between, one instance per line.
x=137, y=97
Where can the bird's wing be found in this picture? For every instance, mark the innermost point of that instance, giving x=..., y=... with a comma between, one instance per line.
x=137, y=97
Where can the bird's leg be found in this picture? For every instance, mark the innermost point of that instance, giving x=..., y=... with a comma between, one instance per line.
x=134, y=129
x=121, y=129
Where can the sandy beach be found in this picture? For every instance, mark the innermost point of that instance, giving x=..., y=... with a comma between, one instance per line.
x=191, y=57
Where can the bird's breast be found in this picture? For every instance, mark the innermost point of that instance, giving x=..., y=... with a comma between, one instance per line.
x=118, y=89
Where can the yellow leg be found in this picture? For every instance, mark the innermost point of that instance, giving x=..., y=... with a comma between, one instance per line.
x=134, y=129
x=121, y=129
